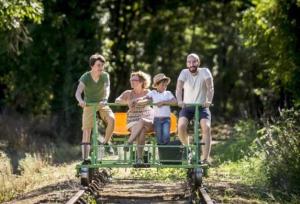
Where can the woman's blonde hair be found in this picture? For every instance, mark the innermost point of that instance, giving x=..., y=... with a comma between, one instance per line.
x=144, y=78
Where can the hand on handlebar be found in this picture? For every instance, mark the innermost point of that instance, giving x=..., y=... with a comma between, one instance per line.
x=132, y=104
x=102, y=103
x=181, y=104
x=207, y=104
x=82, y=104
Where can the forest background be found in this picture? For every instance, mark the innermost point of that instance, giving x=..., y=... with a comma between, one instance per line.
x=252, y=48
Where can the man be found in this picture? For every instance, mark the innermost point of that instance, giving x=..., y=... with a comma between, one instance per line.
x=96, y=87
x=198, y=88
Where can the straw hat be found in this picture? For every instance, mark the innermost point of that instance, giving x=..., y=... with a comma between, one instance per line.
x=158, y=78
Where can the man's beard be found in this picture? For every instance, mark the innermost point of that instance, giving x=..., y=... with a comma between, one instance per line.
x=193, y=69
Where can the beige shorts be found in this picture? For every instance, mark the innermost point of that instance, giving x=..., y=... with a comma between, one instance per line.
x=87, y=116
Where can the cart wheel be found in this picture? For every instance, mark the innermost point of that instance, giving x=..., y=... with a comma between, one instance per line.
x=197, y=176
x=92, y=174
x=84, y=181
x=84, y=176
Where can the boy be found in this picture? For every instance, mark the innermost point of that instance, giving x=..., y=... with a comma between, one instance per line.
x=162, y=99
x=95, y=85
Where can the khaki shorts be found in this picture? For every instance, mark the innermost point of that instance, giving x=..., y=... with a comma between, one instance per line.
x=87, y=116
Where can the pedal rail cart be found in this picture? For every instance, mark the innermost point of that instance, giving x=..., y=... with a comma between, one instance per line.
x=173, y=155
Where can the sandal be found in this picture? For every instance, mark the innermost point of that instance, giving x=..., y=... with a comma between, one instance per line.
x=126, y=147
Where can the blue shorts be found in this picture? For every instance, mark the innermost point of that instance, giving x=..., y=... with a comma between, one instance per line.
x=189, y=113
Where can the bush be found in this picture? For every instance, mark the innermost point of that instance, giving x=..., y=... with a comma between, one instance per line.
x=280, y=141
x=238, y=145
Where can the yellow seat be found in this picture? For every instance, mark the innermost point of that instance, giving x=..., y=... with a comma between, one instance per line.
x=120, y=124
x=121, y=120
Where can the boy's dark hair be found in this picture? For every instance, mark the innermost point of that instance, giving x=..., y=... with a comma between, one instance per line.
x=96, y=57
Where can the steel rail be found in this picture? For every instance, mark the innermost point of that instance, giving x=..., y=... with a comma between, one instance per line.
x=204, y=195
x=76, y=197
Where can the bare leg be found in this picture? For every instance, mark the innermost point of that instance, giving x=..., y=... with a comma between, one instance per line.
x=109, y=129
x=85, y=148
x=141, y=142
x=206, y=138
x=136, y=131
x=182, y=130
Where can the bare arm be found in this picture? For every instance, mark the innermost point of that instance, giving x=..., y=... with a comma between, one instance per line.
x=104, y=100
x=169, y=102
x=210, y=91
x=123, y=98
x=78, y=94
x=143, y=101
x=179, y=88
x=106, y=91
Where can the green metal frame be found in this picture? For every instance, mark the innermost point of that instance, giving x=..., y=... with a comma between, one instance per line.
x=153, y=162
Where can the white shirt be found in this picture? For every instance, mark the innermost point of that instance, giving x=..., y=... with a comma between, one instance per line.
x=195, y=89
x=163, y=111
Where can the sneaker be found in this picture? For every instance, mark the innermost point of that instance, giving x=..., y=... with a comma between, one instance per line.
x=205, y=162
x=139, y=161
x=107, y=148
x=86, y=161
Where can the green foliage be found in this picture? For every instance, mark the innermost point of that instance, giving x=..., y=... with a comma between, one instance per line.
x=249, y=171
x=271, y=31
x=276, y=148
x=42, y=80
x=14, y=12
x=251, y=47
x=280, y=141
x=238, y=146
x=14, y=17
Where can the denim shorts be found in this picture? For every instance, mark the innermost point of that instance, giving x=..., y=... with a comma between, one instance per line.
x=189, y=113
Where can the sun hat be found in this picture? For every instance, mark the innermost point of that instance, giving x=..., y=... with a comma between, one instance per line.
x=158, y=78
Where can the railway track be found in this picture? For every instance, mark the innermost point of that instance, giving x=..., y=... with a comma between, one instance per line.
x=139, y=191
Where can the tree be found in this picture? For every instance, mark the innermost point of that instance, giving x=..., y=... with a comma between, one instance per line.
x=14, y=16
x=271, y=29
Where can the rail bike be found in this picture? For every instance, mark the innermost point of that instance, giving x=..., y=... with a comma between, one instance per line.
x=172, y=155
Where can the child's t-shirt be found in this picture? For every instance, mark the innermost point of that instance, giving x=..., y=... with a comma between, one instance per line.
x=163, y=111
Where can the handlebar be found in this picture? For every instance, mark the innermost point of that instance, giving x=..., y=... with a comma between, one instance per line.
x=118, y=104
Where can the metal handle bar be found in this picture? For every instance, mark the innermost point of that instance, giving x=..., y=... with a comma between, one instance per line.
x=118, y=104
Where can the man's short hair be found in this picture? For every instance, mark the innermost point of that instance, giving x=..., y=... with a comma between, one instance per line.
x=96, y=57
x=193, y=55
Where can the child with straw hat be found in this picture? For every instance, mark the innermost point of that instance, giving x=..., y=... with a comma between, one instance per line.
x=162, y=99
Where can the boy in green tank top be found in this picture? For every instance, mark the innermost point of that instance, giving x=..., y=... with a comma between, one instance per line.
x=95, y=85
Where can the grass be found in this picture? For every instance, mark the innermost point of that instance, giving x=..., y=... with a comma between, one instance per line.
x=239, y=174
x=36, y=171
x=244, y=181
x=238, y=144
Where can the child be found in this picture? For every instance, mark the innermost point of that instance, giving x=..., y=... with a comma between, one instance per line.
x=162, y=99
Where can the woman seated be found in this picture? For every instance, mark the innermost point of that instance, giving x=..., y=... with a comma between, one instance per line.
x=139, y=116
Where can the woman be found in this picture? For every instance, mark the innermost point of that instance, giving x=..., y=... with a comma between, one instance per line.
x=139, y=117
